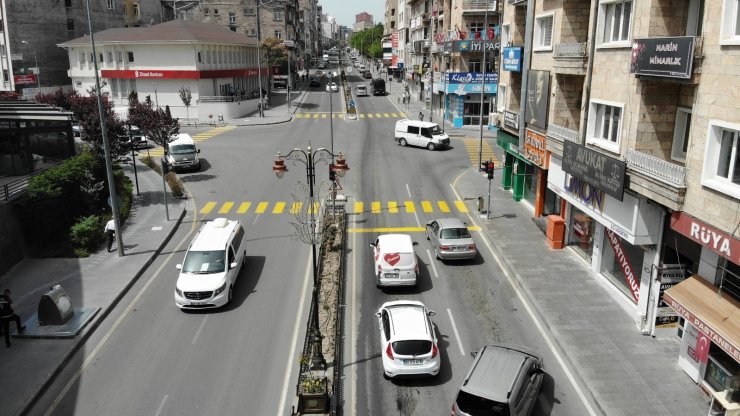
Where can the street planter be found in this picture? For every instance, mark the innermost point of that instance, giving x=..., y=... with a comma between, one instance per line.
x=313, y=396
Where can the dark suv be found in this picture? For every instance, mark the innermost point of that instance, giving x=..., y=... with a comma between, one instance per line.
x=503, y=381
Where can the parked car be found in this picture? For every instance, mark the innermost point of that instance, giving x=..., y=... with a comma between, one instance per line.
x=322, y=65
x=407, y=339
x=451, y=239
x=361, y=90
x=395, y=260
x=332, y=87
x=378, y=86
x=420, y=133
x=502, y=380
x=314, y=81
x=368, y=75
x=136, y=138
x=183, y=154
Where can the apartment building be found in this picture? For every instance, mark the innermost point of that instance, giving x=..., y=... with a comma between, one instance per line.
x=620, y=122
x=363, y=21
x=6, y=63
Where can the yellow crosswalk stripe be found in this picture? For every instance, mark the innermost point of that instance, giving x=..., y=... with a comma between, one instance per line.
x=261, y=207
x=375, y=207
x=403, y=115
x=278, y=208
x=362, y=116
x=243, y=207
x=410, y=207
x=323, y=116
x=378, y=115
x=315, y=209
x=296, y=208
x=298, y=115
x=393, y=207
x=359, y=207
x=207, y=207
x=226, y=207
x=443, y=206
x=369, y=115
x=394, y=115
x=399, y=229
x=426, y=206
x=316, y=115
x=460, y=205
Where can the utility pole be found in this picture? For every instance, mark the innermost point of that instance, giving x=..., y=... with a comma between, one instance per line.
x=432, y=20
x=482, y=87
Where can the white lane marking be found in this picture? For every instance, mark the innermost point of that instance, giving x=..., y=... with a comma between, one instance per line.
x=200, y=328
x=537, y=323
x=408, y=190
x=157, y=228
x=256, y=217
x=352, y=326
x=294, y=341
x=431, y=261
x=457, y=334
x=161, y=405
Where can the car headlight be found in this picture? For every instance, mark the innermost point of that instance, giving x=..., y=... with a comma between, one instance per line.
x=220, y=290
x=179, y=292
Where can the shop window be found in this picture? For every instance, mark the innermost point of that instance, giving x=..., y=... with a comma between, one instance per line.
x=730, y=30
x=681, y=133
x=621, y=263
x=721, y=170
x=604, y=126
x=581, y=233
x=70, y=24
x=720, y=368
x=614, y=23
x=543, y=32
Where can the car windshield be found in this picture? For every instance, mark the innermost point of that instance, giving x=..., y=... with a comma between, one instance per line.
x=479, y=406
x=180, y=149
x=204, y=262
x=412, y=347
x=435, y=130
x=454, y=233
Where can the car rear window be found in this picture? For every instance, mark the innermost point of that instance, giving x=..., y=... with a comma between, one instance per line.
x=480, y=406
x=455, y=233
x=412, y=347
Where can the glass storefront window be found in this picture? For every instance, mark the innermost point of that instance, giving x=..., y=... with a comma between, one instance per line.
x=530, y=183
x=619, y=268
x=581, y=233
x=720, y=367
x=552, y=203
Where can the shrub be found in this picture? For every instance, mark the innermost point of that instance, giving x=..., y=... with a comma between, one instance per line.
x=175, y=184
x=152, y=163
x=86, y=234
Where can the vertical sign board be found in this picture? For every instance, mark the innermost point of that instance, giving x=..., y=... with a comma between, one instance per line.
x=511, y=59
x=538, y=93
x=535, y=148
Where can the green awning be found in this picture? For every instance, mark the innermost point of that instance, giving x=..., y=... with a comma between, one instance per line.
x=510, y=144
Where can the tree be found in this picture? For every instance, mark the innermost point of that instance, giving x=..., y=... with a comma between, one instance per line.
x=155, y=123
x=186, y=98
x=369, y=41
x=276, y=53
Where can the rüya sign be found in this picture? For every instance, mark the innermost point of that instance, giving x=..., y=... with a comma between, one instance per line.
x=601, y=171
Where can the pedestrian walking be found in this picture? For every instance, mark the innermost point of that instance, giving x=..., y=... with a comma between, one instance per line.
x=110, y=232
x=421, y=116
x=7, y=314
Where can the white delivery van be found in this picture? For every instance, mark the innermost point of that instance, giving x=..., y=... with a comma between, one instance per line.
x=395, y=260
x=420, y=133
x=211, y=265
x=183, y=154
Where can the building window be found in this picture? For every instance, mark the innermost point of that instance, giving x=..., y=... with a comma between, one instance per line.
x=137, y=13
x=501, y=99
x=82, y=57
x=604, y=127
x=130, y=56
x=543, y=32
x=215, y=12
x=278, y=34
x=681, y=133
x=232, y=28
x=110, y=57
x=232, y=18
x=110, y=4
x=200, y=58
x=505, y=35
x=249, y=11
x=721, y=170
x=119, y=57
x=614, y=20
x=206, y=11
x=70, y=24
x=67, y=3
x=730, y=31
x=114, y=87
x=208, y=57
x=277, y=16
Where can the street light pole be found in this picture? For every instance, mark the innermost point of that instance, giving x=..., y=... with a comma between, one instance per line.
x=482, y=88
x=261, y=105
x=37, y=70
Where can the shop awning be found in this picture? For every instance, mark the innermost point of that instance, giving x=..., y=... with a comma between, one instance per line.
x=715, y=315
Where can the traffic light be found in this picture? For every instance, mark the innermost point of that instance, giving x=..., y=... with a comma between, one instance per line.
x=332, y=174
x=489, y=169
x=148, y=99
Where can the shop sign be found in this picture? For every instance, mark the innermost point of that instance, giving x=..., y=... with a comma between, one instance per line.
x=603, y=172
x=718, y=241
x=535, y=148
x=512, y=59
x=716, y=338
x=538, y=94
x=584, y=191
x=463, y=89
x=180, y=74
x=624, y=263
x=471, y=77
x=663, y=57
x=394, y=40
x=29, y=79
x=511, y=120
x=474, y=45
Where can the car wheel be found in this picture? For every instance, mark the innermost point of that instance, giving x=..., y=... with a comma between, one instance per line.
x=430, y=146
x=402, y=142
x=427, y=233
x=385, y=376
x=437, y=255
x=231, y=293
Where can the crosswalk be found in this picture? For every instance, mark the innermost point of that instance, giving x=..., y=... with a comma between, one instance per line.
x=159, y=151
x=356, y=208
x=321, y=115
x=472, y=146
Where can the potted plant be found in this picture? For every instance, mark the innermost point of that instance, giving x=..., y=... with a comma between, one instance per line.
x=313, y=395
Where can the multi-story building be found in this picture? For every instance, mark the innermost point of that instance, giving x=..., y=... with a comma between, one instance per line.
x=309, y=31
x=621, y=119
x=363, y=21
x=6, y=63
x=36, y=60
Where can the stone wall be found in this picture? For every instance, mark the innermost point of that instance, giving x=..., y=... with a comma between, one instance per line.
x=565, y=105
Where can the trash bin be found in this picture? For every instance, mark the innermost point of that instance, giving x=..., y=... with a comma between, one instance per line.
x=55, y=307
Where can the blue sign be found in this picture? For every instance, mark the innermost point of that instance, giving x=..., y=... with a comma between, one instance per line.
x=471, y=77
x=511, y=59
x=400, y=65
x=463, y=89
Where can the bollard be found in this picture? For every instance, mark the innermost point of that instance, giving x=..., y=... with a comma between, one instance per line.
x=480, y=204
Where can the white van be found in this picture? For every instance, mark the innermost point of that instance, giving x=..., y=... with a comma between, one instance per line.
x=420, y=133
x=211, y=265
x=183, y=154
x=395, y=260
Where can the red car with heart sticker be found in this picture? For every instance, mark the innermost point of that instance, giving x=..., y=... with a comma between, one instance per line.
x=395, y=260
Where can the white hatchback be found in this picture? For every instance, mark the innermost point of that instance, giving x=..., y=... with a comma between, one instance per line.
x=407, y=340
x=362, y=90
x=395, y=260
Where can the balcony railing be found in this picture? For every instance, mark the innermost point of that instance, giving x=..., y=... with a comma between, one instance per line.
x=569, y=50
x=657, y=168
x=562, y=133
x=476, y=5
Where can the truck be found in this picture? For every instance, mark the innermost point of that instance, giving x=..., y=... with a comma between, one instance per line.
x=378, y=86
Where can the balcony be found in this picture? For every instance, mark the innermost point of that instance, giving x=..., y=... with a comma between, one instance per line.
x=479, y=6
x=570, y=58
x=559, y=134
x=658, y=179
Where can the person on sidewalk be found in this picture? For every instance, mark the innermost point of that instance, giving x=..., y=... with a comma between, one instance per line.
x=7, y=314
x=110, y=232
x=421, y=116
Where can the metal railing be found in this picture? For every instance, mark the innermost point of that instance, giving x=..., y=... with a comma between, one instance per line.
x=14, y=189
x=562, y=133
x=480, y=5
x=655, y=167
x=569, y=50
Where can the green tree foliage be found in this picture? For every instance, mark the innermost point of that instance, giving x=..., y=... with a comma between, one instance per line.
x=369, y=42
x=155, y=123
x=275, y=52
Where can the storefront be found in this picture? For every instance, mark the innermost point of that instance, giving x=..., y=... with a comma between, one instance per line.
x=616, y=232
x=463, y=95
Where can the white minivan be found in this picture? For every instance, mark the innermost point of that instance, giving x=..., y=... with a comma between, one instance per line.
x=420, y=133
x=183, y=154
x=395, y=260
x=211, y=265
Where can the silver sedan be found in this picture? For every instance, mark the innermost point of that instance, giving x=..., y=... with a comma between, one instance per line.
x=451, y=239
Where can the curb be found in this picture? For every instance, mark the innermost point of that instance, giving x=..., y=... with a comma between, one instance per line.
x=100, y=317
x=504, y=263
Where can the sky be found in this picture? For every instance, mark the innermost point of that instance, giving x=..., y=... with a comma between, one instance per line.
x=344, y=11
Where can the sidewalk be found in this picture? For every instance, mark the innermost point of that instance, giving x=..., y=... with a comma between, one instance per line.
x=99, y=281
x=277, y=112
